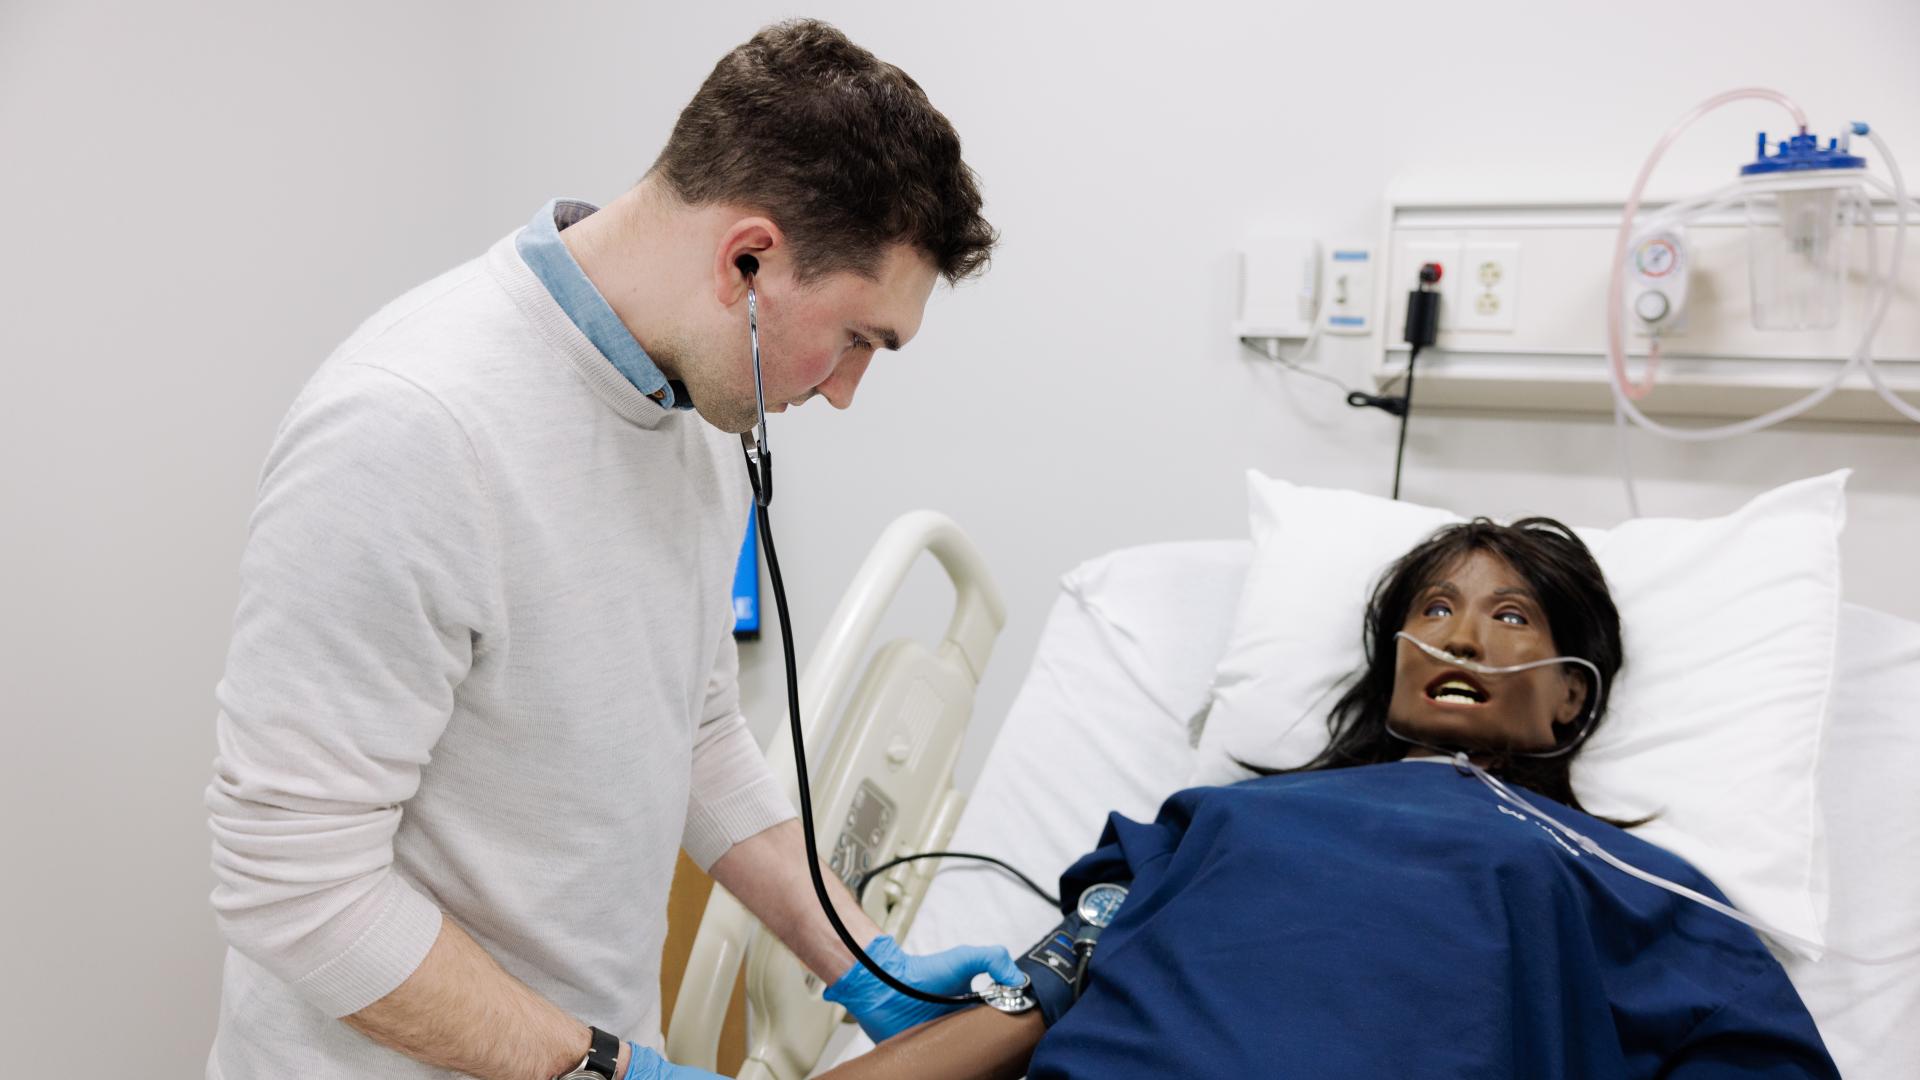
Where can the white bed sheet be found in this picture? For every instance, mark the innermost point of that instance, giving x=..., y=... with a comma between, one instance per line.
x=1103, y=723
x=1092, y=730
x=1870, y=794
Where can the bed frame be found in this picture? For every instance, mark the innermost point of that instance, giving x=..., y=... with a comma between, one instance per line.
x=883, y=787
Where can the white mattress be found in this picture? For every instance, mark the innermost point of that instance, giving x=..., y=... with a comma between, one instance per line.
x=1102, y=723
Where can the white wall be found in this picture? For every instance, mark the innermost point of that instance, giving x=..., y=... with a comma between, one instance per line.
x=202, y=198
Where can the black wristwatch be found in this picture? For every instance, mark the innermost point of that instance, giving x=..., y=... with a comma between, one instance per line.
x=602, y=1061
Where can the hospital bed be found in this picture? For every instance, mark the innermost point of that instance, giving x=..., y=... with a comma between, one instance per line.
x=1107, y=720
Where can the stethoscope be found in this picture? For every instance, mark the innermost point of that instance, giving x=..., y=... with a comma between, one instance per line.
x=760, y=472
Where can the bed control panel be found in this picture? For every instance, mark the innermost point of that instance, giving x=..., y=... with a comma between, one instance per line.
x=857, y=849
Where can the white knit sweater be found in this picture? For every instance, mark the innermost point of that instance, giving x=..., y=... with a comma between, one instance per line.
x=482, y=665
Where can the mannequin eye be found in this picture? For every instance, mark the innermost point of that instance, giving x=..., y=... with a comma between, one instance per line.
x=1436, y=608
x=1511, y=617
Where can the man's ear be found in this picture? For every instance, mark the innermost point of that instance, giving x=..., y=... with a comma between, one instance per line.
x=755, y=237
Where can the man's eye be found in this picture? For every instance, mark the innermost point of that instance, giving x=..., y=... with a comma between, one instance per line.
x=1437, y=608
x=861, y=343
x=1513, y=618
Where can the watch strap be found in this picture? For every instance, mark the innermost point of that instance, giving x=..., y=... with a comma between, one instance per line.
x=603, y=1055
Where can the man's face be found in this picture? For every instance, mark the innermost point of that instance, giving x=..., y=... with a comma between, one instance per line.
x=816, y=340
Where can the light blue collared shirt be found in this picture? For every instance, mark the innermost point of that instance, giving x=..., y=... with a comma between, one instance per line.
x=540, y=247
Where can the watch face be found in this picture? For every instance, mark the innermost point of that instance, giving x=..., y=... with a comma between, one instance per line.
x=1100, y=903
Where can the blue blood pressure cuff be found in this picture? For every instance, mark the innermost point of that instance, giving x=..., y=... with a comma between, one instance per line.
x=1053, y=969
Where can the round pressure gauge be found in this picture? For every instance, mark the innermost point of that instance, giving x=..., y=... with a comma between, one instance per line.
x=1657, y=257
x=1100, y=903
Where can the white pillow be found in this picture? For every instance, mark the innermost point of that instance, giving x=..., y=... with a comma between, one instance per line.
x=1715, y=721
x=1164, y=611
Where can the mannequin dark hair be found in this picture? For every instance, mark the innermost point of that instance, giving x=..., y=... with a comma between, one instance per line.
x=1580, y=614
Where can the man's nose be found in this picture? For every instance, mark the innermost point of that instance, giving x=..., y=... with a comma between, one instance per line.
x=840, y=386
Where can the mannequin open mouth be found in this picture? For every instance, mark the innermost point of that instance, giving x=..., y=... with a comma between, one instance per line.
x=1458, y=689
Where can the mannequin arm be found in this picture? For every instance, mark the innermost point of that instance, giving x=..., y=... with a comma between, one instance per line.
x=974, y=1044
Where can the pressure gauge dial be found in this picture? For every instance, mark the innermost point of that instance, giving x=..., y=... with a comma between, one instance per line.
x=1657, y=257
x=1656, y=293
x=1100, y=903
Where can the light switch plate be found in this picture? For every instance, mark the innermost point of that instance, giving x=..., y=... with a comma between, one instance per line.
x=1347, y=296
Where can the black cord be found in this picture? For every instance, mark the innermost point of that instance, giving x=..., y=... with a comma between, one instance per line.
x=806, y=792
x=860, y=887
x=1406, y=407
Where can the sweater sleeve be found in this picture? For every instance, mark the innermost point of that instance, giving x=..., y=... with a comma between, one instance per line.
x=733, y=793
x=368, y=582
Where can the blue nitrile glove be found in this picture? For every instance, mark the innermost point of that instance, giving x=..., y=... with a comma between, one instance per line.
x=647, y=1065
x=884, y=1012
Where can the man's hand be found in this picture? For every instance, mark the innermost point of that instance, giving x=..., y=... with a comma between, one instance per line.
x=767, y=872
x=883, y=1012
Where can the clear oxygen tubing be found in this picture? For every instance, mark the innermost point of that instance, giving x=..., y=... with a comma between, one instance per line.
x=1815, y=949
x=1902, y=206
x=1594, y=696
x=1621, y=433
x=1616, y=282
x=1860, y=357
x=1625, y=392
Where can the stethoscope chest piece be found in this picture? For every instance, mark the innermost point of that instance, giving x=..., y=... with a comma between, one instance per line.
x=1008, y=999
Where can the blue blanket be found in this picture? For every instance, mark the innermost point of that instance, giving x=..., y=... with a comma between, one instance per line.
x=1399, y=921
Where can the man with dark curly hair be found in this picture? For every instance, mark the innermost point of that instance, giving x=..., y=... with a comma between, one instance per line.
x=482, y=684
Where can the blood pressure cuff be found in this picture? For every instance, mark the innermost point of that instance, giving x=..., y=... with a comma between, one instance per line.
x=1050, y=966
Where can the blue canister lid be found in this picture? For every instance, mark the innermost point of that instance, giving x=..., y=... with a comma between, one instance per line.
x=1802, y=153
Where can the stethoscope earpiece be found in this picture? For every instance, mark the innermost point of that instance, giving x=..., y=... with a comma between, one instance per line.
x=759, y=457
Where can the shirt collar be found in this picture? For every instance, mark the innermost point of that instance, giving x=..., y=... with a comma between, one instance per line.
x=547, y=256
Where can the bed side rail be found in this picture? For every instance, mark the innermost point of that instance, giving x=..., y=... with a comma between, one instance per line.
x=883, y=788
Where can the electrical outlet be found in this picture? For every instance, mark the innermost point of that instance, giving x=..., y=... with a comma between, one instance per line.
x=1450, y=288
x=1490, y=280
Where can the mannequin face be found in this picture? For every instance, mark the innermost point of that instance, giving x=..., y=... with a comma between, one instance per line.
x=1481, y=609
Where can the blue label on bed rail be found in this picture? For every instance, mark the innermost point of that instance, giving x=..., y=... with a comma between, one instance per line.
x=746, y=584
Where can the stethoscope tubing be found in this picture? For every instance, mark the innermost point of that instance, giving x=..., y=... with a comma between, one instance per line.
x=760, y=472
